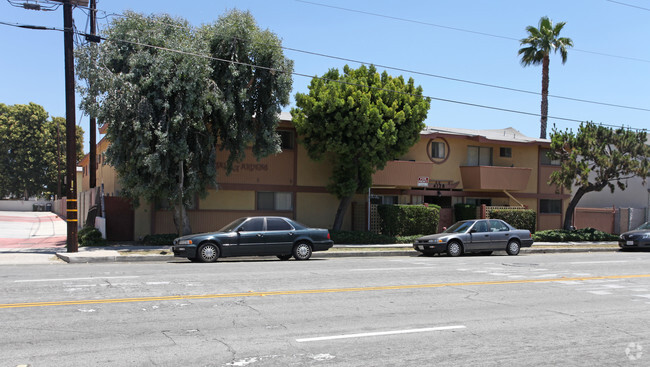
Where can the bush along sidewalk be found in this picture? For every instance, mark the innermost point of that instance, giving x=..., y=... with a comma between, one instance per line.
x=563, y=235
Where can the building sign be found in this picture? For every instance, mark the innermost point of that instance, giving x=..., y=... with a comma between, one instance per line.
x=423, y=181
x=250, y=167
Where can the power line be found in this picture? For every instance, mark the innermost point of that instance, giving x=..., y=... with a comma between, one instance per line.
x=460, y=29
x=332, y=80
x=414, y=71
x=630, y=5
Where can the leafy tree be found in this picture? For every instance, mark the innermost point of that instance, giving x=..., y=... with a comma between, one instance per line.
x=597, y=157
x=358, y=120
x=170, y=93
x=539, y=44
x=28, y=153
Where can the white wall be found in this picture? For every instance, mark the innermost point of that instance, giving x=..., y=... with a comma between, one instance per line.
x=20, y=205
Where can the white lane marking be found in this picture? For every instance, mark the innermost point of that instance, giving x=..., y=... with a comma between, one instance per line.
x=600, y=293
x=65, y=279
x=380, y=333
x=382, y=269
x=598, y=262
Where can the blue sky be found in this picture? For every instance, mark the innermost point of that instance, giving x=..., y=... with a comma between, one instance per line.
x=471, y=40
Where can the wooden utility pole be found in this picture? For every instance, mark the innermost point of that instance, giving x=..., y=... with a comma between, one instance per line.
x=93, y=120
x=70, y=128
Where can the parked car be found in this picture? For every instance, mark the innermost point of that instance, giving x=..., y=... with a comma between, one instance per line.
x=255, y=236
x=638, y=238
x=477, y=235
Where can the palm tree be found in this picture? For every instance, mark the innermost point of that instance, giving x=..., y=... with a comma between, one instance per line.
x=539, y=44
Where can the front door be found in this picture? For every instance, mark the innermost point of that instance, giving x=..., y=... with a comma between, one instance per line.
x=251, y=238
x=479, y=237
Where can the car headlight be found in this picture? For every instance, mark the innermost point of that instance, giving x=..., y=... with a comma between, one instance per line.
x=185, y=242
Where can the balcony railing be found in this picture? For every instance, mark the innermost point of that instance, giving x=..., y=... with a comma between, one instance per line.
x=495, y=178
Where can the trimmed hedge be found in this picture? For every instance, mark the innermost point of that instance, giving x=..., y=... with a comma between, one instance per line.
x=407, y=220
x=368, y=238
x=90, y=236
x=563, y=235
x=464, y=211
x=166, y=239
x=520, y=219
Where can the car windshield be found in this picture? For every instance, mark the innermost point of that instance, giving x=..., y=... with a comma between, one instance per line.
x=645, y=225
x=459, y=227
x=234, y=224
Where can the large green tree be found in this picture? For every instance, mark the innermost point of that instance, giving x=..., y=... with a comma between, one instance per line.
x=539, y=44
x=171, y=93
x=28, y=151
x=597, y=157
x=358, y=121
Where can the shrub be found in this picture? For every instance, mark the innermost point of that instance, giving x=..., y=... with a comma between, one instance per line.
x=406, y=220
x=90, y=236
x=563, y=235
x=368, y=238
x=166, y=239
x=464, y=211
x=521, y=219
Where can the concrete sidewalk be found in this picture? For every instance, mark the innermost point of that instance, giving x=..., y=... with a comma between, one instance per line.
x=148, y=253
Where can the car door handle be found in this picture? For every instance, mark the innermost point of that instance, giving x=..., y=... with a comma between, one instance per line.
x=290, y=233
x=259, y=235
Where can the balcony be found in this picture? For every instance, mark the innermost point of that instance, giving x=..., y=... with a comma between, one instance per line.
x=495, y=178
x=402, y=174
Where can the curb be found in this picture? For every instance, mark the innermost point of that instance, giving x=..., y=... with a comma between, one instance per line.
x=109, y=256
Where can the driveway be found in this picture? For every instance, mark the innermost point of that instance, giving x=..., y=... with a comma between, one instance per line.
x=31, y=230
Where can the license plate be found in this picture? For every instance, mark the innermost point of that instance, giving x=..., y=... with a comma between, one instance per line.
x=421, y=247
x=630, y=243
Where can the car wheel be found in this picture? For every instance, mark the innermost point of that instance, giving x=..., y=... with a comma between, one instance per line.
x=513, y=248
x=454, y=248
x=302, y=251
x=208, y=253
x=284, y=257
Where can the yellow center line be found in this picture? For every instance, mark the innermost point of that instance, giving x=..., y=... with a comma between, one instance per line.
x=310, y=291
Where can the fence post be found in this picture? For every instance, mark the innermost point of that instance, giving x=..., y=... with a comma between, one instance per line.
x=483, y=211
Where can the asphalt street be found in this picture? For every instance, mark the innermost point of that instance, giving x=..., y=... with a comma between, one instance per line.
x=568, y=309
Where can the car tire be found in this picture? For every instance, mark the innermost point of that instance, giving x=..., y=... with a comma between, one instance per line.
x=302, y=251
x=208, y=252
x=513, y=248
x=284, y=257
x=454, y=248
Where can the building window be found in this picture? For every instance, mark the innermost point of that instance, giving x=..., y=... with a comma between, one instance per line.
x=274, y=201
x=505, y=152
x=438, y=150
x=547, y=206
x=479, y=156
x=546, y=160
x=478, y=201
x=287, y=140
x=384, y=199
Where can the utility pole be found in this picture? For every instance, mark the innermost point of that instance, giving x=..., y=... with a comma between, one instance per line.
x=93, y=120
x=71, y=133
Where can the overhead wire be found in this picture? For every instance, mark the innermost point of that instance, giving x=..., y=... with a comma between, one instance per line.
x=460, y=29
x=415, y=72
x=342, y=82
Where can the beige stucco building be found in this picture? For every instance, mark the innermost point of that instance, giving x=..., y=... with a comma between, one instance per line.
x=447, y=166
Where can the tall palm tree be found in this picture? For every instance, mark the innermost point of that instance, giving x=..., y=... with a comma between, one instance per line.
x=539, y=44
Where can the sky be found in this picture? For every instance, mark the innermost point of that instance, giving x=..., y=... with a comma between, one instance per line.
x=462, y=52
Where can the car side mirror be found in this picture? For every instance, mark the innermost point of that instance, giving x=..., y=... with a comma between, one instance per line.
x=473, y=230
